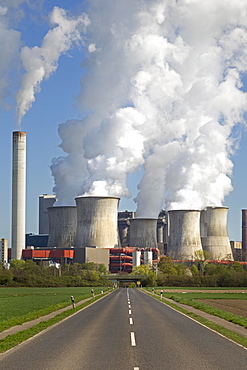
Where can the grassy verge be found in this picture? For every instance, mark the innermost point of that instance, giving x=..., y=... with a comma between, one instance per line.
x=19, y=305
x=15, y=339
x=227, y=333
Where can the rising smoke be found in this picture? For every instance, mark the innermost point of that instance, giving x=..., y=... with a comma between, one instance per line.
x=163, y=89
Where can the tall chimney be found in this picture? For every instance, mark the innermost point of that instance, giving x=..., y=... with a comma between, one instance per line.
x=97, y=222
x=214, y=233
x=18, y=194
x=143, y=232
x=184, y=234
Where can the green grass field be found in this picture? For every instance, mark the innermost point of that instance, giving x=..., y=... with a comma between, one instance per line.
x=18, y=305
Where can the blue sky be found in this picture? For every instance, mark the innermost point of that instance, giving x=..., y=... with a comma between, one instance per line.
x=55, y=104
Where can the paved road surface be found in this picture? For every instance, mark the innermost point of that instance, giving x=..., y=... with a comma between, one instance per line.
x=126, y=330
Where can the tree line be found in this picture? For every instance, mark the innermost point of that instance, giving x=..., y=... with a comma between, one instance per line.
x=199, y=274
x=28, y=273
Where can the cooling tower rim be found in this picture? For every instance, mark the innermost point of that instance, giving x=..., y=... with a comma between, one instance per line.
x=214, y=207
x=56, y=207
x=19, y=132
x=96, y=197
x=184, y=210
x=143, y=218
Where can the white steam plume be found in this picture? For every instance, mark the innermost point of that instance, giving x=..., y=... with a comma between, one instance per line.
x=40, y=62
x=168, y=76
x=8, y=36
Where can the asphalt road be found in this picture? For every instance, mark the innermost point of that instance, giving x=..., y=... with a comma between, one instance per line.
x=126, y=330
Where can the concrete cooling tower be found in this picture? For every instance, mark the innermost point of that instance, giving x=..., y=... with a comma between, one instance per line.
x=97, y=222
x=214, y=233
x=184, y=234
x=62, y=226
x=18, y=193
x=143, y=232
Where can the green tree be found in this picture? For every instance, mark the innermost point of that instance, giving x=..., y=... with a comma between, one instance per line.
x=149, y=277
x=17, y=264
x=167, y=266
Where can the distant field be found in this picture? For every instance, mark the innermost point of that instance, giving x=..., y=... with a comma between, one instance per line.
x=18, y=305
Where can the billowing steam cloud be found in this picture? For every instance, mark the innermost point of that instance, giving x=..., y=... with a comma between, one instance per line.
x=8, y=37
x=41, y=62
x=163, y=89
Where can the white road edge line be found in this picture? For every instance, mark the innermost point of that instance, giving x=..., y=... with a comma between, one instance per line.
x=131, y=321
x=132, y=337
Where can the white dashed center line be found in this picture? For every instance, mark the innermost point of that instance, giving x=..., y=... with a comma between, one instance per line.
x=129, y=312
x=131, y=321
x=132, y=337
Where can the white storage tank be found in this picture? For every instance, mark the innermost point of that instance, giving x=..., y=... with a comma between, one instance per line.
x=148, y=257
x=136, y=261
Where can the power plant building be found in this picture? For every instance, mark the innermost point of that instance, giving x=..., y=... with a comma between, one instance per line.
x=45, y=201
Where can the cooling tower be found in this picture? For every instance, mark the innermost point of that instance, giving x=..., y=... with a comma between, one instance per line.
x=18, y=194
x=143, y=232
x=97, y=222
x=62, y=226
x=244, y=234
x=148, y=257
x=184, y=234
x=136, y=258
x=215, y=240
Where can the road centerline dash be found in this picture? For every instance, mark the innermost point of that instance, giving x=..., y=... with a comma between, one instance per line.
x=133, y=340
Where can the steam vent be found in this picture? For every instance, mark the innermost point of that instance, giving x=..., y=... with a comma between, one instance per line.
x=143, y=232
x=62, y=226
x=97, y=222
x=214, y=233
x=184, y=234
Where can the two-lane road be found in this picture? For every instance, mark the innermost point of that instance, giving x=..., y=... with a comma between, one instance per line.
x=126, y=330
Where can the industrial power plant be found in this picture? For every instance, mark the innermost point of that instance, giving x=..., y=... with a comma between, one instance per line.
x=94, y=230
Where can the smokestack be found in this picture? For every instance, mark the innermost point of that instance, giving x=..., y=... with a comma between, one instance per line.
x=244, y=234
x=184, y=234
x=143, y=232
x=214, y=233
x=18, y=193
x=62, y=226
x=97, y=222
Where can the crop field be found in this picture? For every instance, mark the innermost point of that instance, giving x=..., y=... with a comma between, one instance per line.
x=18, y=305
